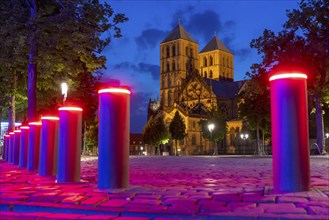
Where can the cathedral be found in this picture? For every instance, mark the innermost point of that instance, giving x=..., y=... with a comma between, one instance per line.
x=193, y=82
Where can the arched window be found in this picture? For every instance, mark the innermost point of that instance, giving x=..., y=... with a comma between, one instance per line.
x=191, y=52
x=223, y=61
x=211, y=62
x=169, y=97
x=169, y=81
x=186, y=51
x=205, y=74
x=167, y=51
x=163, y=81
x=193, y=139
x=210, y=74
x=173, y=52
x=227, y=61
x=205, y=61
x=173, y=65
x=168, y=67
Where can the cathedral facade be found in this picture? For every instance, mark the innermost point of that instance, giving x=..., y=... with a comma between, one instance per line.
x=193, y=82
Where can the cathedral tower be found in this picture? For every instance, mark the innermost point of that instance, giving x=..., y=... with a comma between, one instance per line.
x=178, y=55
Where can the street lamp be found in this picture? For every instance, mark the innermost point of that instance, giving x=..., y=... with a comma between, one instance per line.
x=211, y=127
x=142, y=151
x=324, y=144
x=244, y=137
x=64, y=91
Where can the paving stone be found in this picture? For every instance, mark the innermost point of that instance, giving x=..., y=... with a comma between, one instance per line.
x=319, y=210
x=94, y=201
x=292, y=200
x=115, y=203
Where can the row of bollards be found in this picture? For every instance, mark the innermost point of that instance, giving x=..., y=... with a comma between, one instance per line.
x=52, y=146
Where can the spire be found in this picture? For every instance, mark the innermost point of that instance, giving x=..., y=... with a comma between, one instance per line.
x=178, y=33
x=215, y=44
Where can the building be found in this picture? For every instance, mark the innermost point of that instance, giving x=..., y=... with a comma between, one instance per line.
x=193, y=83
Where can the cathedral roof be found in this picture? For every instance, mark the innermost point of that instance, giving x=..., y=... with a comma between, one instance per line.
x=226, y=89
x=178, y=33
x=215, y=44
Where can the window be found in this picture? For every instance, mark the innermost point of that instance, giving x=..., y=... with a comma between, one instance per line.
x=169, y=97
x=191, y=52
x=211, y=61
x=193, y=124
x=186, y=51
x=210, y=74
x=163, y=82
x=205, y=61
x=227, y=61
x=173, y=65
x=205, y=74
x=193, y=139
x=169, y=81
x=168, y=67
x=173, y=52
x=223, y=61
x=167, y=51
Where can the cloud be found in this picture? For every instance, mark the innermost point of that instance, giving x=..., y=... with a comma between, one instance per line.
x=143, y=68
x=242, y=53
x=150, y=38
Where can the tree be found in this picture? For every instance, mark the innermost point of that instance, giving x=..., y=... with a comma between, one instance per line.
x=177, y=129
x=63, y=38
x=303, y=46
x=155, y=131
x=254, y=104
x=219, y=131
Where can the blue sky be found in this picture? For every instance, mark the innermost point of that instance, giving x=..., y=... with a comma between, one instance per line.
x=134, y=58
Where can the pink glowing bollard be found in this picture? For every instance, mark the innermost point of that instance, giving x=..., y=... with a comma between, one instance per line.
x=113, y=138
x=23, y=146
x=48, y=146
x=11, y=147
x=17, y=143
x=289, y=118
x=33, y=146
x=69, y=144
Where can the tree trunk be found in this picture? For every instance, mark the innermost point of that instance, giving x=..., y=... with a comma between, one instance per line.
x=11, y=114
x=32, y=69
x=257, y=140
x=175, y=147
x=319, y=123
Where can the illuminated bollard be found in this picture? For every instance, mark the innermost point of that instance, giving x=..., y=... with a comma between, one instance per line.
x=113, y=138
x=48, y=146
x=17, y=140
x=6, y=141
x=33, y=146
x=289, y=118
x=11, y=147
x=23, y=146
x=69, y=144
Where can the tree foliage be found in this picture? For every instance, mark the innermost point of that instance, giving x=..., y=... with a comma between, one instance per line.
x=220, y=129
x=69, y=36
x=301, y=46
x=177, y=129
x=155, y=131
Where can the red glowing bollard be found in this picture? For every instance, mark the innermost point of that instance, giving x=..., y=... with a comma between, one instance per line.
x=48, y=146
x=11, y=147
x=23, y=146
x=289, y=118
x=69, y=144
x=113, y=138
x=17, y=140
x=33, y=146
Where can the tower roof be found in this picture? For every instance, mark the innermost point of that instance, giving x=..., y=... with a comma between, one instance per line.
x=215, y=44
x=178, y=33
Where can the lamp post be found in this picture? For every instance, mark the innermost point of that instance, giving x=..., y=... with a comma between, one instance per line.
x=211, y=127
x=324, y=143
x=244, y=137
x=141, y=151
x=64, y=91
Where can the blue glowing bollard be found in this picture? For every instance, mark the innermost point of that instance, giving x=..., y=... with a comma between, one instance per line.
x=48, y=146
x=17, y=140
x=6, y=146
x=289, y=119
x=23, y=146
x=113, y=138
x=33, y=146
x=69, y=144
x=11, y=147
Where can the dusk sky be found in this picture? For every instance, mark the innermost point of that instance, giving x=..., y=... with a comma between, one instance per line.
x=134, y=58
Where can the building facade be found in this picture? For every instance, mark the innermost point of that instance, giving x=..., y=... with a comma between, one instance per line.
x=193, y=83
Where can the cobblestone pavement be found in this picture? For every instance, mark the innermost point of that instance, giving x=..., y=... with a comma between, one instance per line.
x=166, y=188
